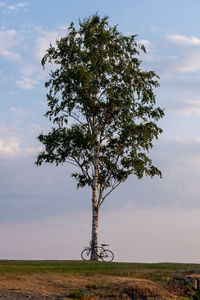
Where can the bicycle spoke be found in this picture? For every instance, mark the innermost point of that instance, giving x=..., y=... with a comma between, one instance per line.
x=107, y=256
x=85, y=254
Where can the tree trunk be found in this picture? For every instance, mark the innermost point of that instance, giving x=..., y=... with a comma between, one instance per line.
x=94, y=239
x=95, y=211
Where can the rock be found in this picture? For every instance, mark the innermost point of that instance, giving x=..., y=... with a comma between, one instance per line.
x=185, y=286
x=191, y=272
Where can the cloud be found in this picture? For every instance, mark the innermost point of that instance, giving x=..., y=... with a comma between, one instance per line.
x=27, y=83
x=35, y=129
x=10, y=140
x=10, y=146
x=11, y=55
x=33, y=150
x=184, y=40
x=197, y=139
x=180, y=164
x=18, y=111
x=11, y=7
x=149, y=56
x=154, y=29
x=182, y=140
x=34, y=71
x=19, y=141
x=8, y=40
x=146, y=43
x=8, y=8
x=31, y=193
x=188, y=168
x=28, y=70
x=31, y=76
x=183, y=60
x=190, y=63
x=187, y=105
x=43, y=42
x=186, y=63
x=23, y=4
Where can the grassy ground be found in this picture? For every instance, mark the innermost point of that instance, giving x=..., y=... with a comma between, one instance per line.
x=89, y=267
x=96, y=280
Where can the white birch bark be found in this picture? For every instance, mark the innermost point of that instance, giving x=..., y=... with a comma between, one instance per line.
x=95, y=211
x=94, y=241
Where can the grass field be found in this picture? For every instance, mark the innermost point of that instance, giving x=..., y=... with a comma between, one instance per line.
x=91, y=280
x=88, y=267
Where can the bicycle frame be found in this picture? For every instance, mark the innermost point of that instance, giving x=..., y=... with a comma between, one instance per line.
x=100, y=252
x=98, y=247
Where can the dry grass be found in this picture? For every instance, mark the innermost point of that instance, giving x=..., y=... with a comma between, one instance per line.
x=44, y=284
x=101, y=286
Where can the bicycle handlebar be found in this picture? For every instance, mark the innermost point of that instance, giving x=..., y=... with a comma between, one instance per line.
x=103, y=245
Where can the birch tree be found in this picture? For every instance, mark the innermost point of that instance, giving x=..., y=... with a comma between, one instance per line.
x=103, y=109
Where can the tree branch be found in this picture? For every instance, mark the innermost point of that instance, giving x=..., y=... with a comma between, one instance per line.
x=101, y=189
x=83, y=171
x=69, y=162
x=113, y=188
x=72, y=116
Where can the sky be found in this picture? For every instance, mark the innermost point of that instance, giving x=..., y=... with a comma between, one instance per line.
x=42, y=214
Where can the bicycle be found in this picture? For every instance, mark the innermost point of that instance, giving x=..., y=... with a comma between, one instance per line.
x=102, y=253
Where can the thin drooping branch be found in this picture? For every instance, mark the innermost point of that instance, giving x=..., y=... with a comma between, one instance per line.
x=72, y=116
x=71, y=163
x=82, y=169
x=75, y=118
x=87, y=116
x=104, y=197
x=101, y=190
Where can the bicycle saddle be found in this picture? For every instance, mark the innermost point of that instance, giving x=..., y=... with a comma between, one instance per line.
x=104, y=245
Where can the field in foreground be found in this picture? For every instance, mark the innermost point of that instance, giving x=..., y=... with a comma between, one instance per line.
x=59, y=280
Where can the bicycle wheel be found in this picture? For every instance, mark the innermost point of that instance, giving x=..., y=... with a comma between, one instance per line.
x=85, y=254
x=107, y=255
